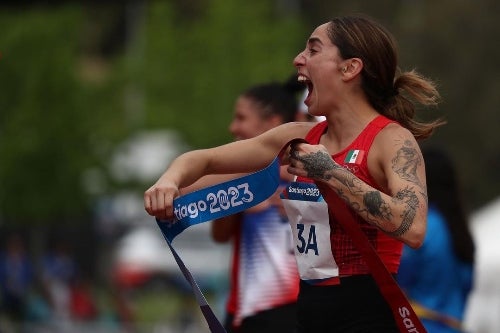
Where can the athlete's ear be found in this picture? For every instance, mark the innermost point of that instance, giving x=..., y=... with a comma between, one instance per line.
x=351, y=68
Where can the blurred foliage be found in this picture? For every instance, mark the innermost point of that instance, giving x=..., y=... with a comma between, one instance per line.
x=79, y=78
x=44, y=123
x=193, y=69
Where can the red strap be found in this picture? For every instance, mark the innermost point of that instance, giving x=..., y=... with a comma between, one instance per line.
x=403, y=313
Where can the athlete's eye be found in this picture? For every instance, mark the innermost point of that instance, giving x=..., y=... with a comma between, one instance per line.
x=312, y=50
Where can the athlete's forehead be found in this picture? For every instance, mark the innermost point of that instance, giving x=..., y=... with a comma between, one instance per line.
x=319, y=35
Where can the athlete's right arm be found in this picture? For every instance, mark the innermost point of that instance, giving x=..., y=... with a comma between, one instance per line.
x=236, y=157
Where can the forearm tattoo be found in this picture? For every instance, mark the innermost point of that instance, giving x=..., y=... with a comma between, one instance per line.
x=372, y=208
x=376, y=206
x=410, y=199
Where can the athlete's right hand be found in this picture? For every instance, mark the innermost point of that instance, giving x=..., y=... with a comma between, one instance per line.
x=159, y=199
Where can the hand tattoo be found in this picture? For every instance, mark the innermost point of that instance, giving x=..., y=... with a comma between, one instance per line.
x=317, y=164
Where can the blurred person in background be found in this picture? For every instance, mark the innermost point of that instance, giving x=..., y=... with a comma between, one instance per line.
x=82, y=301
x=263, y=273
x=438, y=276
x=59, y=270
x=16, y=279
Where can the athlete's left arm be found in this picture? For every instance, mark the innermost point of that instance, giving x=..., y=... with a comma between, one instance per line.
x=402, y=174
x=401, y=209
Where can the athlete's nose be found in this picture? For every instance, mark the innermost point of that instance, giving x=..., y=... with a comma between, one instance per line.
x=299, y=60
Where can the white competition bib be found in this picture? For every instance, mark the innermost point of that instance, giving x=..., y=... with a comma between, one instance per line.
x=308, y=215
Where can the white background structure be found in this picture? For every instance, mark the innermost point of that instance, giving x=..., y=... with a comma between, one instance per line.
x=483, y=309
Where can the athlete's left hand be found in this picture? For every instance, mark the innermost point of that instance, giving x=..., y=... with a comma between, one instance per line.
x=311, y=161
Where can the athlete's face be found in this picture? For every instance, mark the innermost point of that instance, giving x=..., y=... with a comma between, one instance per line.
x=319, y=67
x=247, y=120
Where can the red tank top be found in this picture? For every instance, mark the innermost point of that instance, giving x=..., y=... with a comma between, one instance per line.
x=354, y=158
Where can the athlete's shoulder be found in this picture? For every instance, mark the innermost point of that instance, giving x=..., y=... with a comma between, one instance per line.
x=299, y=125
x=296, y=129
x=282, y=134
x=391, y=143
x=394, y=132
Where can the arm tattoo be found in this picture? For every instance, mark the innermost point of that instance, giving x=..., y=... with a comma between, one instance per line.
x=376, y=206
x=319, y=165
x=409, y=197
x=406, y=162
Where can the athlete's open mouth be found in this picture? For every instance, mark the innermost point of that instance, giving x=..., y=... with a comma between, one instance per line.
x=303, y=79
